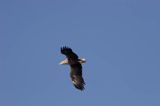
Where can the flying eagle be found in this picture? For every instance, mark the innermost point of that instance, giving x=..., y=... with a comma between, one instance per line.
x=75, y=65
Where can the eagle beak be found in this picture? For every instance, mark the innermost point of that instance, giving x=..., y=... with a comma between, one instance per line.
x=82, y=60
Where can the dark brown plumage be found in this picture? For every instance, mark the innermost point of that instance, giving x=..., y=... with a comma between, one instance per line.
x=76, y=68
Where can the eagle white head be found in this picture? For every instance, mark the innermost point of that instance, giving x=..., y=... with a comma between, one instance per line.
x=65, y=62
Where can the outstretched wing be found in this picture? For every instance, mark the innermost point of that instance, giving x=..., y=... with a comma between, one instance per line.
x=76, y=76
x=69, y=53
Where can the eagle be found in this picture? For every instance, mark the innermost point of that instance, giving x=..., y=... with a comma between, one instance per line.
x=75, y=64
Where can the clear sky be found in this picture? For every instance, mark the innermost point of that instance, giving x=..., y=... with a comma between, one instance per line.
x=119, y=38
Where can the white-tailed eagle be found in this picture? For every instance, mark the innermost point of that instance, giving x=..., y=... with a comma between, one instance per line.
x=75, y=65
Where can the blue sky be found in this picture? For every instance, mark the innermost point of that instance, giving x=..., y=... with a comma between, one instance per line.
x=119, y=39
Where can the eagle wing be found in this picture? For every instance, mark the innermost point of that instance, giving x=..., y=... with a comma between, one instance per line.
x=76, y=68
x=76, y=76
x=69, y=54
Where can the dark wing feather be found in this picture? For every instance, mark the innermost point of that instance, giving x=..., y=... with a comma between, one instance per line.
x=69, y=53
x=76, y=76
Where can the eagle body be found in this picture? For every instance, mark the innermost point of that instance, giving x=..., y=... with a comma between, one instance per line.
x=75, y=66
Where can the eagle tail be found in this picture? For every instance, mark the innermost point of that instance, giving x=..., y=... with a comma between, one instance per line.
x=78, y=82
